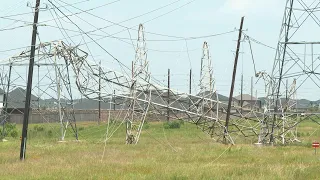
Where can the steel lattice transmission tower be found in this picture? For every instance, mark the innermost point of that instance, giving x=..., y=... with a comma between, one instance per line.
x=137, y=112
x=206, y=72
x=207, y=82
x=295, y=60
x=55, y=59
x=206, y=106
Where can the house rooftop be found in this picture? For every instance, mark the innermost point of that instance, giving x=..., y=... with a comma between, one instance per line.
x=245, y=97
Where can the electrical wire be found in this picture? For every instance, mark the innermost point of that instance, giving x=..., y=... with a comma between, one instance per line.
x=25, y=13
x=90, y=37
x=125, y=28
x=148, y=40
x=16, y=27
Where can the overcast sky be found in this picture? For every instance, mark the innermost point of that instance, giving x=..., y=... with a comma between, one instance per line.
x=184, y=18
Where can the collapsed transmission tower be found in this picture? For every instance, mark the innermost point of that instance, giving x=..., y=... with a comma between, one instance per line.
x=56, y=83
x=295, y=59
x=137, y=111
x=143, y=95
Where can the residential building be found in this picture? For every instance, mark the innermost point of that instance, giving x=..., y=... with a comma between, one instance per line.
x=1, y=98
x=247, y=101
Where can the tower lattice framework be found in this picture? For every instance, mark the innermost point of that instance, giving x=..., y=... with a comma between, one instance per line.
x=137, y=110
x=296, y=60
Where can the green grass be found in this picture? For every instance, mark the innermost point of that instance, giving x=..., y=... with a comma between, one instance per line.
x=184, y=153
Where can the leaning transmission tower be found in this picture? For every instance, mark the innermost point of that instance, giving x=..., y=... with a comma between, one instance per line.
x=296, y=60
x=137, y=111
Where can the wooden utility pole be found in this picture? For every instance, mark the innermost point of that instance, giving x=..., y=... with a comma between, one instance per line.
x=29, y=84
x=233, y=79
x=241, y=92
x=251, y=93
x=99, y=120
x=168, y=111
x=114, y=100
x=190, y=81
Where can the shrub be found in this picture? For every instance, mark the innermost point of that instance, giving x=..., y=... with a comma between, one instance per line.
x=9, y=130
x=172, y=125
x=35, y=127
x=10, y=127
x=14, y=133
x=81, y=128
x=166, y=125
x=146, y=125
x=300, y=134
x=38, y=128
x=49, y=133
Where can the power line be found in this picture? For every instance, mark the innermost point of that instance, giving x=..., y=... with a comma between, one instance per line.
x=13, y=49
x=16, y=27
x=119, y=24
x=170, y=11
x=12, y=8
x=25, y=13
x=182, y=38
x=49, y=20
x=258, y=42
x=149, y=40
x=125, y=27
x=90, y=37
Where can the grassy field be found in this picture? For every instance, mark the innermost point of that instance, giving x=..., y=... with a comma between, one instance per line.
x=184, y=153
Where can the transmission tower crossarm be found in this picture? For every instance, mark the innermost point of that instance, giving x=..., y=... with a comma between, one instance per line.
x=302, y=42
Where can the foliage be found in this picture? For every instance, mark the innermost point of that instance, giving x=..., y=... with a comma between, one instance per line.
x=172, y=124
x=37, y=131
x=10, y=130
x=38, y=128
x=80, y=128
x=313, y=109
x=14, y=133
x=185, y=153
x=50, y=133
x=146, y=125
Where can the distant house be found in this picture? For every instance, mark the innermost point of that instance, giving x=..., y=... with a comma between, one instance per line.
x=1, y=98
x=16, y=101
x=304, y=105
x=298, y=105
x=223, y=100
x=247, y=101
